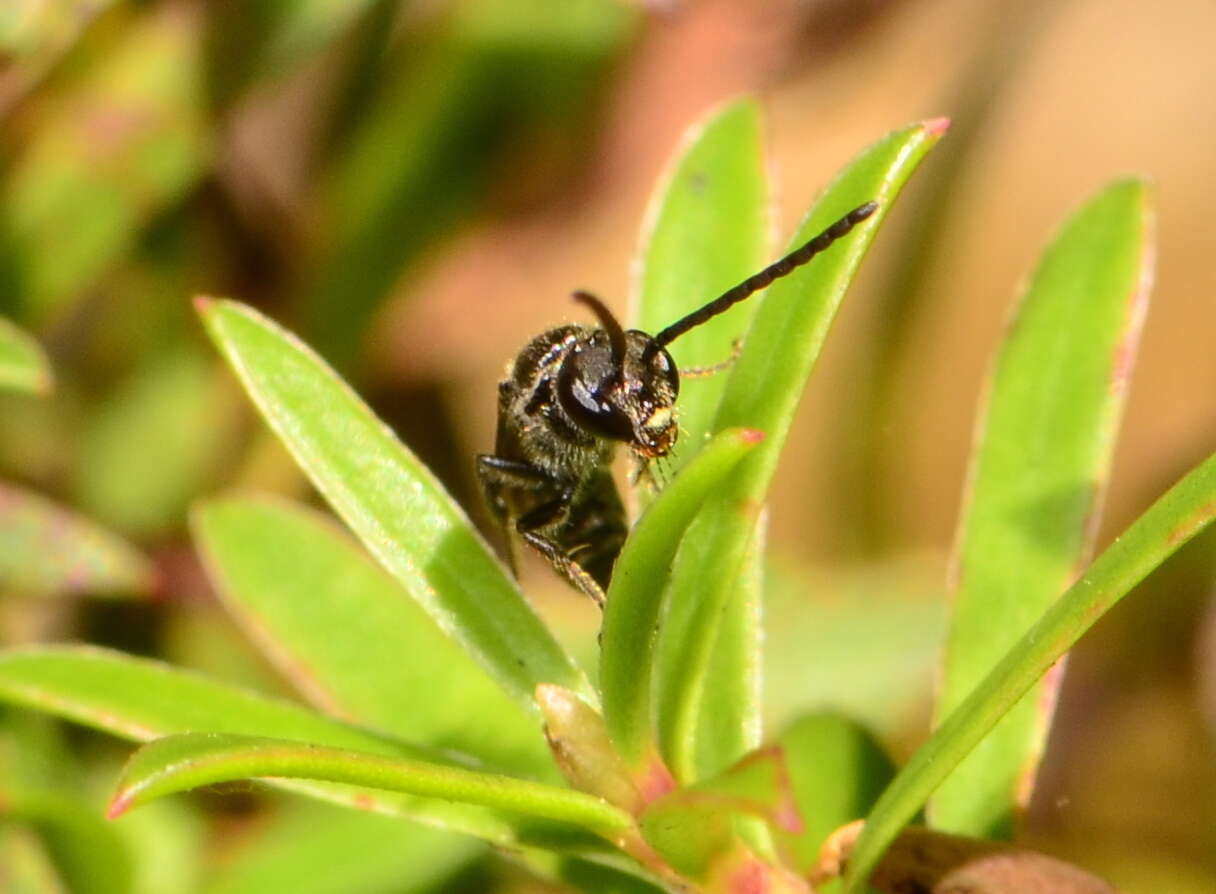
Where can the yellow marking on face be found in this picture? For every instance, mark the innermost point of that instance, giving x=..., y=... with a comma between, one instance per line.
x=659, y=419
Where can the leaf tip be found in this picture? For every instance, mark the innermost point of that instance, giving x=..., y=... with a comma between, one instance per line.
x=751, y=436
x=936, y=127
x=120, y=803
x=203, y=304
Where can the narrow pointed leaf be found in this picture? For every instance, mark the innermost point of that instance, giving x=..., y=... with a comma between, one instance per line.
x=634, y=604
x=143, y=700
x=1038, y=474
x=705, y=230
x=734, y=674
x=392, y=502
x=47, y=550
x=762, y=391
x=1181, y=513
x=23, y=366
x=350, y=638
x=183, y=762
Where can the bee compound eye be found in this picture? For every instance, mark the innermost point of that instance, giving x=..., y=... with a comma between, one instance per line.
x=587, y=400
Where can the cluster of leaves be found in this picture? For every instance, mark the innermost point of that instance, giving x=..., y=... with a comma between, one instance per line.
x=434, y=677
x=155, y=149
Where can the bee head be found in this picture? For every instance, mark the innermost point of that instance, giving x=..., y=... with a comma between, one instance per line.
x=621, y=385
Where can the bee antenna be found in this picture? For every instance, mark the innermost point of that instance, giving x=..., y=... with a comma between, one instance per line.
x=776, y=270
x=616, y=335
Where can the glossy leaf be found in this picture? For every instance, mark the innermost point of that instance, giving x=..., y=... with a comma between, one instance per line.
x=143, y=700
x=47, y=550
x=634, y=606
x=1181, y=513
x=183, y=762
x=762, y=391
x=392, y=502
x=1038, y=474
x=351, y=640
x=23, y=365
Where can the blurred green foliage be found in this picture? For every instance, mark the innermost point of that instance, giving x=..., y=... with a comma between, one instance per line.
x=127, y=186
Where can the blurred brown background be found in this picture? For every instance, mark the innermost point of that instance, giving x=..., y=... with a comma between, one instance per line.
x=417, y=187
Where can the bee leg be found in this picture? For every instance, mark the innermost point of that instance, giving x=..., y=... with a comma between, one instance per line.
x=702, y=372
x=549, y=516
x=565, y=566
x=496, y=476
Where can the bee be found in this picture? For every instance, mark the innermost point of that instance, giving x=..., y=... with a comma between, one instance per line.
x=571, y=396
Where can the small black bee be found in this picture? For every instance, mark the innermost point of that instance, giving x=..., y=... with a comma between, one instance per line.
x=571, y=395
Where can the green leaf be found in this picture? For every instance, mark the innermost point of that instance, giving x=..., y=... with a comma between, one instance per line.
x=87, y=852
x=46, y=550
x=1037, y=479
x=392, y=502
x=705, y=231
x=735, y=674
x=143, y=700
x=314, y=849
x=1181, y=513
x=762, y=392
x=838, y=770
x=23, y=365
x=351, y=640
x=140, y=699
x=633, y=607
x=183, y=762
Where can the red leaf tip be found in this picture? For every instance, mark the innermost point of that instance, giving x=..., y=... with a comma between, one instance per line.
x=935, y=127
x=202, y=303
x=119, y=804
